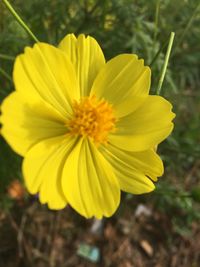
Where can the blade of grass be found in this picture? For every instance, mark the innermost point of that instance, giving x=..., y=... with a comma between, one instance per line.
x=159, y=51
x=163, y=72
x=186, y=29
x=5, y=74
x=19, y=20
x=156, y=21
x=6, y=57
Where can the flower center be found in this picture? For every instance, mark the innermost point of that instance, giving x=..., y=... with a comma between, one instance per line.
x=92, y=118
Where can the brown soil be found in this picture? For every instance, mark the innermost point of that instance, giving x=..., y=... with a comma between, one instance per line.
x=34, y=236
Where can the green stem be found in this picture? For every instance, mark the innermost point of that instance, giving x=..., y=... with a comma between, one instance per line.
x=159, y=51
x=156, y=21
x=19, y=20
x=6, y=57
x=186, y=29
x=163, y=72
x=5, y=74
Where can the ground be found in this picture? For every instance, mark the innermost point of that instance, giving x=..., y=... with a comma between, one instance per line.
x=138, y=235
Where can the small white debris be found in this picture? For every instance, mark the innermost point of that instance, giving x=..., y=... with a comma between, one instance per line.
x=142, y=210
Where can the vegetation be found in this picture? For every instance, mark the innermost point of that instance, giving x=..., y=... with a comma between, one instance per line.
x=120, y=26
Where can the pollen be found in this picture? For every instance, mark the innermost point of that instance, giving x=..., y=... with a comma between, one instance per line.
x=92, y=118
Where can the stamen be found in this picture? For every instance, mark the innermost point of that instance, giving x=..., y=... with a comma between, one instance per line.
x=92, y=118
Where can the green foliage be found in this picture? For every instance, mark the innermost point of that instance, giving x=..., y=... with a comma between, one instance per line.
x=121, y=26
x=195, y=194
x=179, y=205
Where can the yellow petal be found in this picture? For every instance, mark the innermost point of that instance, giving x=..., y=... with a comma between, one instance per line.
x=42, y=170
x=128, y=170
x=25, y=124
x=89, y=183
x=129, y=105
x=87, y=58
x=122, y=77
x=45, y=72
x=146, y=163
x=146, y=127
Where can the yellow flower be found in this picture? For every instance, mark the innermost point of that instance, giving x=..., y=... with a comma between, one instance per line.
x=86, y=129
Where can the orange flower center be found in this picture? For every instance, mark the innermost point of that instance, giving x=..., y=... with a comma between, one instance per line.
x=92, y=118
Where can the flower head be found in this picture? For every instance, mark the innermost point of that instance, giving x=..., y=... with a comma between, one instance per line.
x=86, y=129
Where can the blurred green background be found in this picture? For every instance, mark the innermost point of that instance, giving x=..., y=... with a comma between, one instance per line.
x=121, y=26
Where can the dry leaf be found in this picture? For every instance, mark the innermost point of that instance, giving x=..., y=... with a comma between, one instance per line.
x=146, y=247
x=16, y=190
